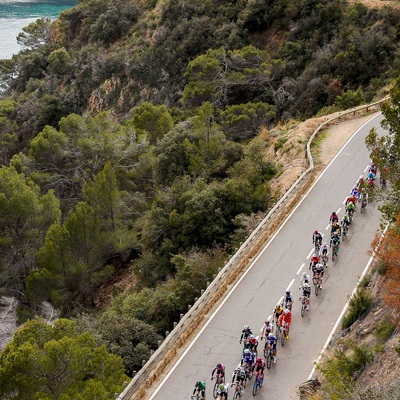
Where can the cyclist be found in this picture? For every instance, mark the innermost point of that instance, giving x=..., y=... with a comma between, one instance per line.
x=252, y=343
x=317, y=237
x=335, y=229
x=304, y=278
x=306, y=292
x=319, y=270
x=272, y=341
x=266, y=329
x=333, y=218
x=247, y=358
x=238, y=376
x=372, y=168
x=371, y=176
x=313, y=260
x=259, y=366
x=277, y=312
x=306, y=288
x=335, y=240
x=223, y=391
x=345, y=220
x=325, y=250
x=285, y=320
x=219, y=371
x=288, y=300
x=349, y=199
x=350, y=207
x=355, y=192
x=199, y=389
x=246, y=332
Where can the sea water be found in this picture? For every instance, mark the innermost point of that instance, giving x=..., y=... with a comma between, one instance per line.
x=16, y=14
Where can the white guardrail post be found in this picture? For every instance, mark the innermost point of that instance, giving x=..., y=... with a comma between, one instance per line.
x=175, y=339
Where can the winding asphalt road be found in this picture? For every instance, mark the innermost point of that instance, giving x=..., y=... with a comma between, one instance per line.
x=278, y=267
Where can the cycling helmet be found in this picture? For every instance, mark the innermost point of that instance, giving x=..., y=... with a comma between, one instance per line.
x=219, y=365
x=372, y=165
x=324, y=244
x=333, y=212
x=270, y=334
x=258, y=359
x=267, y=322
x=246, y=327
x=306, y=284
x=287, y=311
x=247, y=351
x=251, y=336
x=221, y=387
x=197, y=383
x=315, y=232
x=287, y=292
x=305, y=281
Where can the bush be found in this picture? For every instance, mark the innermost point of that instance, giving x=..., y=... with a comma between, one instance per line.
x=358, y=306
x=384, y=330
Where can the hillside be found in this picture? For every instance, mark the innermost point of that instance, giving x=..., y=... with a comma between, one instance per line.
x=141, y=141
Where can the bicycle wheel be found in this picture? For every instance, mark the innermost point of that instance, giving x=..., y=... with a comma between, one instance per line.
x=316, y=288
x=303, y=310
x=265, y=350
x=215, y=389
x=283, y=337
x=255, y=387
x=333, y=254
x=269, y=360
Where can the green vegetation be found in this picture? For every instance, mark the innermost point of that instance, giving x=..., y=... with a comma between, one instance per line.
x=359, y=304
x=54, y=362
x=384, y=329
x=340, y=369
x=129, y=146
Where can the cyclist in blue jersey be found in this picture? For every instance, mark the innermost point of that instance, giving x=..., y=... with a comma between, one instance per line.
x=272, y=341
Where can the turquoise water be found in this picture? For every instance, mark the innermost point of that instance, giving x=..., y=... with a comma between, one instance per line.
x=16, y=14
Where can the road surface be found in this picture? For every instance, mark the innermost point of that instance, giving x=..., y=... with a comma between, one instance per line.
x=278, y=267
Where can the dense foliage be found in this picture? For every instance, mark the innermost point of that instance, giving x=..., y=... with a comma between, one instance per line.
x=129, y=144
x=55, y=362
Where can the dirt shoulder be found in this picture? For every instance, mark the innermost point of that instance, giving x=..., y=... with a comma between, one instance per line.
x=287, y=145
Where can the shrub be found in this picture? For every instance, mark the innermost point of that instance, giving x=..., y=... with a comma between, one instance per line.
x=358, y=305
x=384, y=330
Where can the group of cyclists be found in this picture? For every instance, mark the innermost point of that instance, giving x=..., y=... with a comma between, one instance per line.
x=251, y=363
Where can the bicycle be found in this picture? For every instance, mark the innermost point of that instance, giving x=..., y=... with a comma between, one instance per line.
x=317, y=280
x=317, y=248
x=335, y=251
x=219, y=378
x=305, y=305
x=257, y=383
x=248, y=372
x=237, y=394
x=197, y=397
x=324, y=260
x=344, y=231
x=269, y=355
x=284, y=335
x=277, y=331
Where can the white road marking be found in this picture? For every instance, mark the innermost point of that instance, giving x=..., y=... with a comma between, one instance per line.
x=309, y=254
x=290, y=285
x=301, y=267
